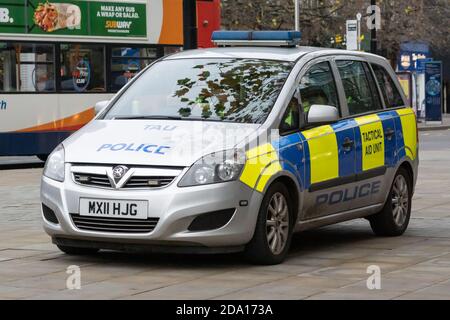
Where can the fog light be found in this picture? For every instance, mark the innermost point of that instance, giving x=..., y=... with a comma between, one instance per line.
x=211, y=220
x=49, y=215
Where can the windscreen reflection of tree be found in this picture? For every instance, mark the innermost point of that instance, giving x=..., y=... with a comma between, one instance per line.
x=237, y=90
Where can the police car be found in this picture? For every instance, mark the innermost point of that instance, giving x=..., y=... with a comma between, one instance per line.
x=234, y=149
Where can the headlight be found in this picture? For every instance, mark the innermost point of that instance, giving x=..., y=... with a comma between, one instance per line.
x=54, y=167
x=215, y=168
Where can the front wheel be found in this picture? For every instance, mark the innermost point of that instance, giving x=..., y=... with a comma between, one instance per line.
x=273, y=232
x=393, y=220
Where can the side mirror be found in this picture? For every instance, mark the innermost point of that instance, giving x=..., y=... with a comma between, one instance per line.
x=100, y=106
x=322, y=114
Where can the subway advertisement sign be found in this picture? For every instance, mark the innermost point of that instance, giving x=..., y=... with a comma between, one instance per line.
x=73, y=17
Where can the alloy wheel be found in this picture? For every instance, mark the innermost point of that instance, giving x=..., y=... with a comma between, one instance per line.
x=400, y=200
x=277, y=223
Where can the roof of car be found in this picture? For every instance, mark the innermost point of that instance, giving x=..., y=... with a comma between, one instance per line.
x=263, y=53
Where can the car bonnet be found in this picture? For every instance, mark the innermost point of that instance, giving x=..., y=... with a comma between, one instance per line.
x=152, y=142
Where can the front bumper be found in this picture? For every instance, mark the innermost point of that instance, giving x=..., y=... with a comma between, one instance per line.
x=175, y=207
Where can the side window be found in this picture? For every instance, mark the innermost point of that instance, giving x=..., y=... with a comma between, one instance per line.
x=391, y=95
x=359, y=91
x=126, y=62
x=291, y=117
x=318, y=87
x=27, y=67
x=82, y=68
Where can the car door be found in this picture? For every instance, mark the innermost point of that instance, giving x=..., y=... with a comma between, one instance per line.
x=329, y=149
x=393, y=102
x=375, y=132
x=398, y=117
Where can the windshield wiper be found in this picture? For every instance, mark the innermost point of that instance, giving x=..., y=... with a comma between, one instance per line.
x=161, y=117
x=148, y=118
x=207, y=119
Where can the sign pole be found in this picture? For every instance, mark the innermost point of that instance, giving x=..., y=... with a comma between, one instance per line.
x=297, y=15
x=358, y=18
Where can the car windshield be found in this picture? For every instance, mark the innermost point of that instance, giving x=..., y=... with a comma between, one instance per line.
x=233, y=90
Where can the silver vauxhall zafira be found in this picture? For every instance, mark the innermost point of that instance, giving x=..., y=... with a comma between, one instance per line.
x=235, y=149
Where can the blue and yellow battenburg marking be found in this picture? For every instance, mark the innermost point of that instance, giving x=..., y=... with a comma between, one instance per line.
x=408, y=134
x=345, y=129
x=314, y=156
x=371, y=135
x=323, y=153
x=390, y=144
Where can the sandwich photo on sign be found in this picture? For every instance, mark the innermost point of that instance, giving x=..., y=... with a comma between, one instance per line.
x=55, y=16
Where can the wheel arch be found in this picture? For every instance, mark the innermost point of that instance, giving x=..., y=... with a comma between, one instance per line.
x=408, y=165
x=409, y=168
x=294, y=189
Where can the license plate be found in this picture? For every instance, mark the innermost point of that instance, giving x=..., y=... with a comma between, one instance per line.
x=114, y=208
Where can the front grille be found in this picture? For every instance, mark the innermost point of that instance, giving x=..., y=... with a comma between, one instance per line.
x=114, y=225
x=148, y=182
x=96, y=180
x=135, y=182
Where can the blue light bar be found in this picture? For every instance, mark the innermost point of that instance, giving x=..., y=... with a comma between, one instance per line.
x=256, y=38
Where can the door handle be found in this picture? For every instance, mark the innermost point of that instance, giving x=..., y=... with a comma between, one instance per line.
x=389, y=133
x=348, y=144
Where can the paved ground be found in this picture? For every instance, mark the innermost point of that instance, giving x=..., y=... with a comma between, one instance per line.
x=323, y=264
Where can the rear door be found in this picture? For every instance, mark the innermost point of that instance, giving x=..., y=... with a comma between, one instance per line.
x=391, y=99
x=375, y=131
x=402, y=114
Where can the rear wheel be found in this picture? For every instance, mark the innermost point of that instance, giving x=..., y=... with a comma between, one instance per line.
x=393, y=220
x=76, y=251
x=273, y=232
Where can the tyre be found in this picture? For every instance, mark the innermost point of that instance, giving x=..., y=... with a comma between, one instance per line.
x=393, y=220
x=77, y=251
x=273, y=232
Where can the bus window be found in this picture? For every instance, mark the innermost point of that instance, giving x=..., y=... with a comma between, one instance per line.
x=126, y=62
x=82, y=68
x=26, y=67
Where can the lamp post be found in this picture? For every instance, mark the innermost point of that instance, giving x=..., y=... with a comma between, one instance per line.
x=373, y=37
x=190, y=24
x=297, y=15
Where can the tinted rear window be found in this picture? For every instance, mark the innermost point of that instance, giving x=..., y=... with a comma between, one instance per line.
x=391, y=95
x=360, y=90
